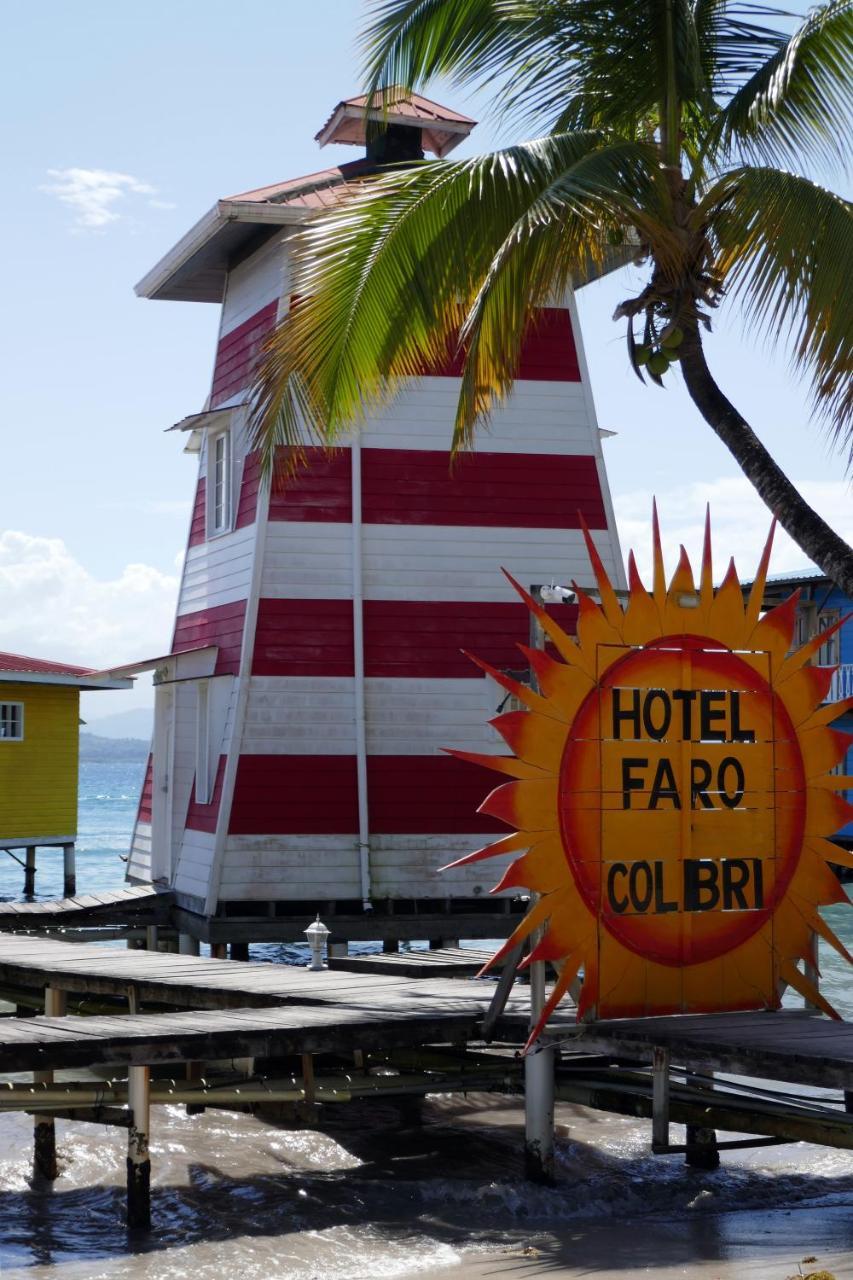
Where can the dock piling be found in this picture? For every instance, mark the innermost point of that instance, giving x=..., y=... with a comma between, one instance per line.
x=69, y=871
x=44, y=1127
x=539, y=1088
x=138, y=1156
x=187, y=945
x=660, y=1098
x=702, y=1151
x=30, y=872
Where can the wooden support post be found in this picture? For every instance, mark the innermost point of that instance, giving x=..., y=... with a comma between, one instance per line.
x=151, y=937
x=449, y=942
x=30, y=872
x=340, y=947
x=138, y=1157
x=193, y=1074
x=660, y=1099
x=848, y=1101
x=44, y=1127
x=308, y=1078
x=187, y=945
x=239, y=950
x=810, y=968
x=69, y=871
x=538, y=1088
x=705, y=1153
x=390, y=946
x=219, y=950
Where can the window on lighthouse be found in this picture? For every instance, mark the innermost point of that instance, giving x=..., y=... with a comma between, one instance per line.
x=220, y=483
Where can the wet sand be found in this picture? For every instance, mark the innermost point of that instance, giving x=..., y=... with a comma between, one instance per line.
x=368, y=1199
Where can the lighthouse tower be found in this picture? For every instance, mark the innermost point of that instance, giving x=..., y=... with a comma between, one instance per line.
x=316, y=669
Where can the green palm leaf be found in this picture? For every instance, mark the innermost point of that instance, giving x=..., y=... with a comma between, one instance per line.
x=786, y=246
x=796, y=104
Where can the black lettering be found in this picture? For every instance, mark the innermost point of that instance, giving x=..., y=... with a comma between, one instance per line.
x=630, y=784
x=661, y=905
x=632, y=715
x=619, y=905
x=758, y=883
x=739, y=734
x=664, y=786
x=686, y=697
x=657, y=732
x=731, y=799
x=640, y=903
x=700, y=885
x=709, y=715
x=700, y=776
x=735, y=876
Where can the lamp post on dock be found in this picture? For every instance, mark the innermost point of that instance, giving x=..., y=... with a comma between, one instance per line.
x=317, y=933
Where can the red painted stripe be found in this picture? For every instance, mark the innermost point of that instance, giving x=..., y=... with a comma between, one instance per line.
x=317, y=795
x=143, y=813
x=203, y=817
x=198, y=523
x=417, y=486
x=548, y=352
x=222, y=626
x=247, y=508
x=518, y=491
x=321, y=490
x=404, y=638
x=237, y=354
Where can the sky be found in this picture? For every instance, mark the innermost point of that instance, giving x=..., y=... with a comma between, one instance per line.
x=129, y=122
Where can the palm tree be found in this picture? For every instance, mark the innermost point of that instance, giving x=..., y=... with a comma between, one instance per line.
x=670, y=124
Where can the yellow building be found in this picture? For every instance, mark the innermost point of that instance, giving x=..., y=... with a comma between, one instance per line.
x=39, y=742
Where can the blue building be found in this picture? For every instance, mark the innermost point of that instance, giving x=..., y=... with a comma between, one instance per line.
x=821, y=605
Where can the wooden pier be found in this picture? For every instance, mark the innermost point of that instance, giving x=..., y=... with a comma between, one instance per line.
x=434, y=1035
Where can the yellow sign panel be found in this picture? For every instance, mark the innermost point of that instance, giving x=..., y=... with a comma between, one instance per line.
x=673, y=796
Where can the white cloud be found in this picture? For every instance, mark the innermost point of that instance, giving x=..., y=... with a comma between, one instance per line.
x=53, y=607
x=92, y=194
x=739, y=523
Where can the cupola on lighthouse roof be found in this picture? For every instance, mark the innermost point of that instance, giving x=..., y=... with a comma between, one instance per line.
x=397, y=127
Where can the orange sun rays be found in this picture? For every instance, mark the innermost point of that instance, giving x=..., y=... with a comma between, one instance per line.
x=670, y=794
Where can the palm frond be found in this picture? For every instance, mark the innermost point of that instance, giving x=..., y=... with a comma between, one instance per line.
x=797, y=104
x=386, y=280
x=785, y=245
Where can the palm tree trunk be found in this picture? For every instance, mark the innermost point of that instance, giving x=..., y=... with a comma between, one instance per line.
x=820, y=543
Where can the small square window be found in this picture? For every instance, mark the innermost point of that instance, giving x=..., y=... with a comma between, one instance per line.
x=12, y=721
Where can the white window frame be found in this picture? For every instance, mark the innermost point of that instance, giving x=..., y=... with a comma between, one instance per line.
x=7, y=721
x=202, y=743
x=829, y=654
x=219, y=488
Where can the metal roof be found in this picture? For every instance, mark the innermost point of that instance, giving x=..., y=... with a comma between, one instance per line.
x=441, y=128
x=18, y=668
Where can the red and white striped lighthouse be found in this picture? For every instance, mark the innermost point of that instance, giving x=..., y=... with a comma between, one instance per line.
x=316, y=668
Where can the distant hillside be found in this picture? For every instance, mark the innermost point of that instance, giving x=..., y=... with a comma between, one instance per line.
x=94, y=749
x=136, y=723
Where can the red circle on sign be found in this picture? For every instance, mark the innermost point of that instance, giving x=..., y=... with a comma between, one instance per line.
x=606, y=842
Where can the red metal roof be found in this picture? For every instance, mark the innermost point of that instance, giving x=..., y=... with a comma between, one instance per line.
x=441, y=128
x=399, y=103
x=313, y=191
x=40, y=666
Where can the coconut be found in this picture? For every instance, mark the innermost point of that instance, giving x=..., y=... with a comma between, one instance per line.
x=672, y=336
x=658, y=363
x=641, y=355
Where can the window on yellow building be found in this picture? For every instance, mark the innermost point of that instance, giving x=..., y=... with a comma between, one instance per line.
x=12, y=720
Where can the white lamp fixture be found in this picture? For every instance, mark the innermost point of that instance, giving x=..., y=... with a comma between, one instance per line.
x=317, y=933
x=554, y=594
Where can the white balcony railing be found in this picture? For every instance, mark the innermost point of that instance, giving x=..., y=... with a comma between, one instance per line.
x=842, y=683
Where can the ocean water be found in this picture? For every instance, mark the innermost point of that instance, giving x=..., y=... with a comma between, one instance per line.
x=367, y=1199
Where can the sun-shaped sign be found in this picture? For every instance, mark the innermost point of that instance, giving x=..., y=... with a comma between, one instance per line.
x=672, y=795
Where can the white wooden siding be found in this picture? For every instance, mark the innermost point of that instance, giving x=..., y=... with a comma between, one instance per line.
x=312, y=560
x=195, y=860
x=538, y=417
x=270, y=868
x=294, y=715
x=218, y=571
x=139, y=862
x=253, y=284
